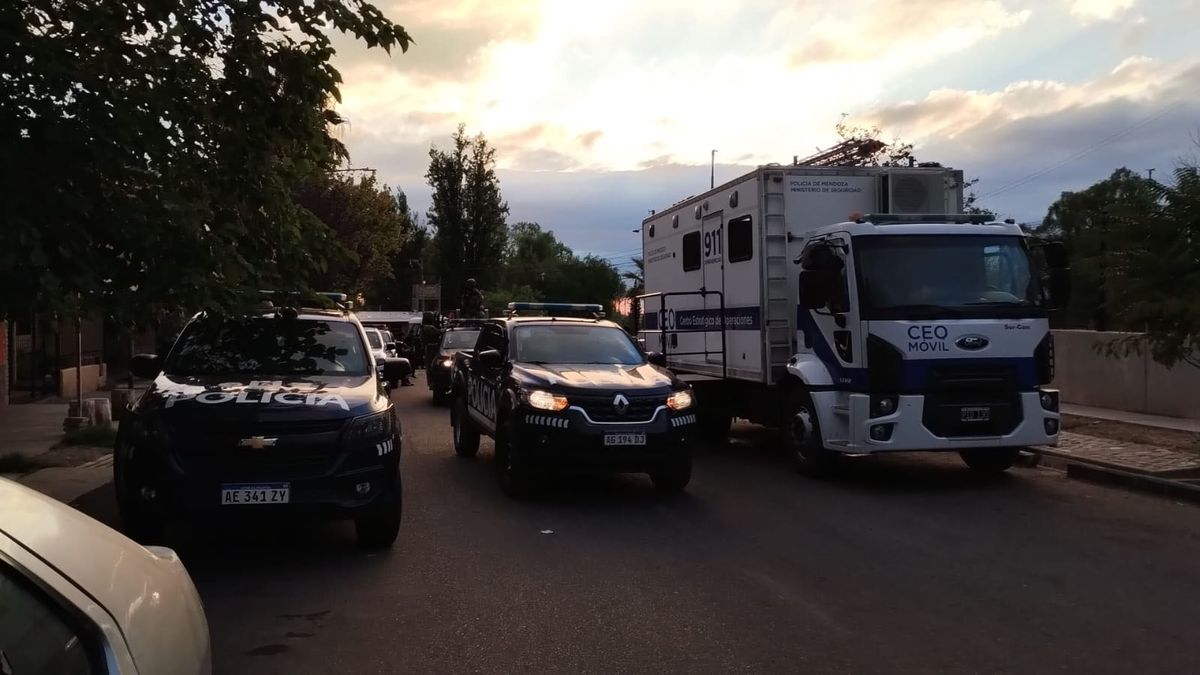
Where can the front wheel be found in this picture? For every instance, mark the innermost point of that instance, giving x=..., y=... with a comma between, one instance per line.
x=802, y=437
x=990, y=461
x=674, y=474
x=139, y=520
x=380, y=529
x=466, y=436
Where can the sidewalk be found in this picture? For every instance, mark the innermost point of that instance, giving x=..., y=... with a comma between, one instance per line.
x=1136, y=465
x=32, y=430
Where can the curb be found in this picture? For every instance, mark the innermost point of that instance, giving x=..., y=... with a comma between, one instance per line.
x=1106, y=473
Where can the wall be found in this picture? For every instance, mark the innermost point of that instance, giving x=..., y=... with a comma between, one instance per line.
x=3, y=363
x=1135, y=383
x=94, y=377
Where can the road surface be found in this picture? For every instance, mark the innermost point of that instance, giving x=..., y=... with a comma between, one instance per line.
x=902, y=565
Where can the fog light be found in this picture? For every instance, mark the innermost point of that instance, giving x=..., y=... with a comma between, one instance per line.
x=149, y=494
x=883, y=405
x=881, y=432
x=1051, y=427
x=886, y=406
x=362, y=489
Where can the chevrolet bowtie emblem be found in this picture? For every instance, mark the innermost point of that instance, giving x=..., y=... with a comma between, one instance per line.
x=620, y=404
x=257, y=442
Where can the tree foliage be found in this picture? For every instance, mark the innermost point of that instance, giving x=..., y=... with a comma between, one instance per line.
x=370, y=224
x=151, y=150
x=467, y=213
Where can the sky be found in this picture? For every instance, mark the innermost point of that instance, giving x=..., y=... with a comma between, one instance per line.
x=602, y=111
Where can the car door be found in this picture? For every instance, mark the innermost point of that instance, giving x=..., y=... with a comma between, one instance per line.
x=483, y=385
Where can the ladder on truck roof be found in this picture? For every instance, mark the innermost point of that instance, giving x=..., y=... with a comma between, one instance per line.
x=663, y=331
x=779, y=312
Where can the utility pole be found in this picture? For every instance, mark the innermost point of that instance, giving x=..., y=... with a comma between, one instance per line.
x=1150, y=174
x=712, y=171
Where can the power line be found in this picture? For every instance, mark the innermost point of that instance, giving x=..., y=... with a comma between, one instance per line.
x=1108, y=140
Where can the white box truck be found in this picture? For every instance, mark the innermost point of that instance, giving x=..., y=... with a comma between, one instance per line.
x=782, y=300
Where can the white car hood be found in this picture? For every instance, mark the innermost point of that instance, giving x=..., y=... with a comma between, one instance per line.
x=148, y=592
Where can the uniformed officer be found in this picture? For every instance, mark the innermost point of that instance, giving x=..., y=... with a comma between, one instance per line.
x=472, y=301
x=431, y=337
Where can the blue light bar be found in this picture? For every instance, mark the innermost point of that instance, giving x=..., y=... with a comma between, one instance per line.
x=553, y=307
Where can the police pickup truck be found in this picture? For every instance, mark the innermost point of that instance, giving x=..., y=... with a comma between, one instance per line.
x=458, y=336
x=570, y=393
x=279, y=411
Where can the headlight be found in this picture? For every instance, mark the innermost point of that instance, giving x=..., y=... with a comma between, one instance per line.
x=372, y=426
x=544, y=400
x=447, y=363
x=680, y=400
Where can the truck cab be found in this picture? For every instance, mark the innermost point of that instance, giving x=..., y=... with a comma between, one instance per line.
x=923, y=333
x=569, y=393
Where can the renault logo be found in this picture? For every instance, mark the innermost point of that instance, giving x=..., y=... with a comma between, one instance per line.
x=971, y=343
x=257, y=442
x=620, y=404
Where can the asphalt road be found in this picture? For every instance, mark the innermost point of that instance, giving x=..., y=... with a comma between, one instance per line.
x=901, y=565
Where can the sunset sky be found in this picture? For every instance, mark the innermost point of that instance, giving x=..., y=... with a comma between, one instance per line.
x=603, y=110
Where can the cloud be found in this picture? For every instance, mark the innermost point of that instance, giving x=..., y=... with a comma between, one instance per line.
x=1100, y=10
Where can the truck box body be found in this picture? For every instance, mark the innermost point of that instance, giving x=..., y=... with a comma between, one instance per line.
x=762, y=217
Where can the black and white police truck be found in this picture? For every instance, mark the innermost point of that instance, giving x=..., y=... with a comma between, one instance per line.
x=781, y=302
x=558, y=392
x=280, y=411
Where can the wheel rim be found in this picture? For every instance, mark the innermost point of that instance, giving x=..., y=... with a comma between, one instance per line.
x=801, y=432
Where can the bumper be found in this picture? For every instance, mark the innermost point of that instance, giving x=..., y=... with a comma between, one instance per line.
x=335, y=491
x=438, y=378
x=570, y=439
x=908, y=430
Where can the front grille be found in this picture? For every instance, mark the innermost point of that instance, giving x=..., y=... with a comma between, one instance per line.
x=952, y=388
x=600, y=408
x=302, y=449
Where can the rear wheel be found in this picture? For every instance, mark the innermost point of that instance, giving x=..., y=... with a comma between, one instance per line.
x=990, y=461
x=674, y=474
x=466, y=436
x=802, y=437
x=380, y=529
x=513, y=468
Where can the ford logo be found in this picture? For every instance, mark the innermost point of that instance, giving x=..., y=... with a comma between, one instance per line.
x=971, y=343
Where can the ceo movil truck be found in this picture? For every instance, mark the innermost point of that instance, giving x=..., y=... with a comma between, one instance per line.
x=921, y=329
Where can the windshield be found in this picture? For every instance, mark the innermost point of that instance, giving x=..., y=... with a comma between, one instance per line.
x=373, y=339
x=953, y=272
x=268, y=346
x=460, y=339
x=574, y=344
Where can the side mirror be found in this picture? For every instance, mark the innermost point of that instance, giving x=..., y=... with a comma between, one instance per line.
x=395, y=369
x=145, y=366
x=657, y=359
x=489, y=359
x=389, y=346
x=814, y=289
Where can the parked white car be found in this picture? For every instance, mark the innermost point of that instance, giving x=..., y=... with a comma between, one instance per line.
x=79, y=597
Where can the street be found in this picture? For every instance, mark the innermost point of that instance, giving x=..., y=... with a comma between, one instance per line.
x=909, y=564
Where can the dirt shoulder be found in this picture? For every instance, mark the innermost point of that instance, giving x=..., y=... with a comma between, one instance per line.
x=1133, y=433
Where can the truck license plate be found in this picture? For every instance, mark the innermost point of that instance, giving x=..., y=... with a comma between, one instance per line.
x=240, y=494
x=976, y=414
x=631, y=438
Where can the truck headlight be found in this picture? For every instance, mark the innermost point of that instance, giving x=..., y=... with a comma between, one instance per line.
x=373, y=426
x=680, y=400
x=544, y=400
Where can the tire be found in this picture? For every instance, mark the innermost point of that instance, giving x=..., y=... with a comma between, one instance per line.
x=713, y=426
x=513, y=470
x=379, y=530
x=674, y=474
x=138, y=520
x=990, y=461
x=801, y=435
x=440, y=397
x=466, y=436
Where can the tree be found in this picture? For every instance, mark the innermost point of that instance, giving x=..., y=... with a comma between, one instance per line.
x=370, y=224
x=467, y=213
x=152, y=150
x=636, y=276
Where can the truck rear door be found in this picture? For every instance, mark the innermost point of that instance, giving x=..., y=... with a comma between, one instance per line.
x=712, y=247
